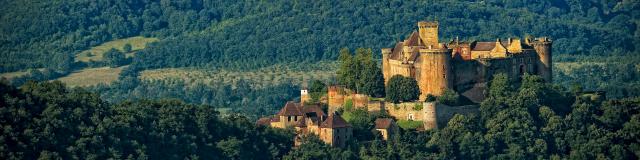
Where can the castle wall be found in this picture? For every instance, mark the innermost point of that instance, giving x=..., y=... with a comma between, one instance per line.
x=435, y=72
x=405, y=111
x=338, y=96
x=335, y=98
x=543, y=50
x=397, y=68
x=433, y=115
x=514, y=67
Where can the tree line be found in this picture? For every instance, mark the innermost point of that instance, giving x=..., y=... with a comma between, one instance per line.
x=531, y=120
x=49, y=121
x=241, y=34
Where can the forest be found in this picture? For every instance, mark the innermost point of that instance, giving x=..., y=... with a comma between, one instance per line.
x=533, y=120
x=228, y=34
x=596, y=46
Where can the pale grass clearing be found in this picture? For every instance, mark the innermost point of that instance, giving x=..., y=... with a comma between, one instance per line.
x=12, y=75
x=260, y=78
x=568, y=67
x=91, y=76
x=137, y=43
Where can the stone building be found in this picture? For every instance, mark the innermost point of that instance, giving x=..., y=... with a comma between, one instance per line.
x=311, y=119
x=465, y=67
x=386, y=126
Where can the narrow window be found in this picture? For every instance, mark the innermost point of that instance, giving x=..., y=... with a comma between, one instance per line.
x=289, y=118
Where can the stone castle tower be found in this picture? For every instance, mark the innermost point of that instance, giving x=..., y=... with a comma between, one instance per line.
x=465, y=67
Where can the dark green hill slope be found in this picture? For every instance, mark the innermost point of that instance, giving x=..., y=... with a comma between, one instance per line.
x=246, y=34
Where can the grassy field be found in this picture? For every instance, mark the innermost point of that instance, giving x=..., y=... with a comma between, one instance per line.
x=91, y=76
x=11, y=75
x=410, y=125
x=568, y=67
x=264, y=77
x=95, y=53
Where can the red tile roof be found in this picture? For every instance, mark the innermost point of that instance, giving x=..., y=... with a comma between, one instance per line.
x=290, y=109
x=383, y=123
x=334, y=121
x=484, y=46
x=264, y=121
x=313, y=108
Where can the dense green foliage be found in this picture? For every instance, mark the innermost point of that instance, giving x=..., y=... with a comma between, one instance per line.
x=402, y=89
x=529, y=121
x=619, y=76
x=239, y=97
x=49, y=121
x=114, y=58
x=533, y=120
x=449, y=97
x=360, y=72
x=317, y=90
x=208, y=33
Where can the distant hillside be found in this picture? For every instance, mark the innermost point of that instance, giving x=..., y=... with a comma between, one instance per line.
x=251, y=34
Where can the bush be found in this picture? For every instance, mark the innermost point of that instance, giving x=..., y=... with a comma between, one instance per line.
x=348, y=105
x=449, y=97
x=114, y=58
x=418, y=106
x=402, y=89
x=126, y=48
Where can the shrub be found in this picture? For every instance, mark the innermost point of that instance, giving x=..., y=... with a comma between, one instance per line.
x=402, y=89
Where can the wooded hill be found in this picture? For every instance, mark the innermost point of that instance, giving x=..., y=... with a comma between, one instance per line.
x=249, y=34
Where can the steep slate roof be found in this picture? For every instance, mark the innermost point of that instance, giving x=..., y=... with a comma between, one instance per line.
x=383, y=123
x=313, y=117
x=334, y=121
x=397, y=51
x=413, y=40
x=313, y=108
x=290, y=109
x=484, y=46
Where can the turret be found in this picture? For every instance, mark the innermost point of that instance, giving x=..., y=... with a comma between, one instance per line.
x=386, y=54
x=430, y=115
x=543, y=48
x=436, y=72
x=428, y=33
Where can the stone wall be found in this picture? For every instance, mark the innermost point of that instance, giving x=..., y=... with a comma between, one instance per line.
x=338, y=96
x=434, y=115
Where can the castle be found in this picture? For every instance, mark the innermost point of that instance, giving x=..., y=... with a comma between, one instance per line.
x=465, y=67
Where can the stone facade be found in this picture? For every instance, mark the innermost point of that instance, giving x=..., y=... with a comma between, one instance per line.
x=338, y=96
x=310, y=119
x=387, y=127
x=465, y=67
x=432, y=114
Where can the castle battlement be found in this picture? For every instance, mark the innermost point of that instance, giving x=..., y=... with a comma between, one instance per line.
x=463, y=66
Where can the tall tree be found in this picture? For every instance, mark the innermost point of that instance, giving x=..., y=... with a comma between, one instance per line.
x=346, y=75
x=114, y=58
x=402, y=89
x=316, y=90
x=372, y=80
